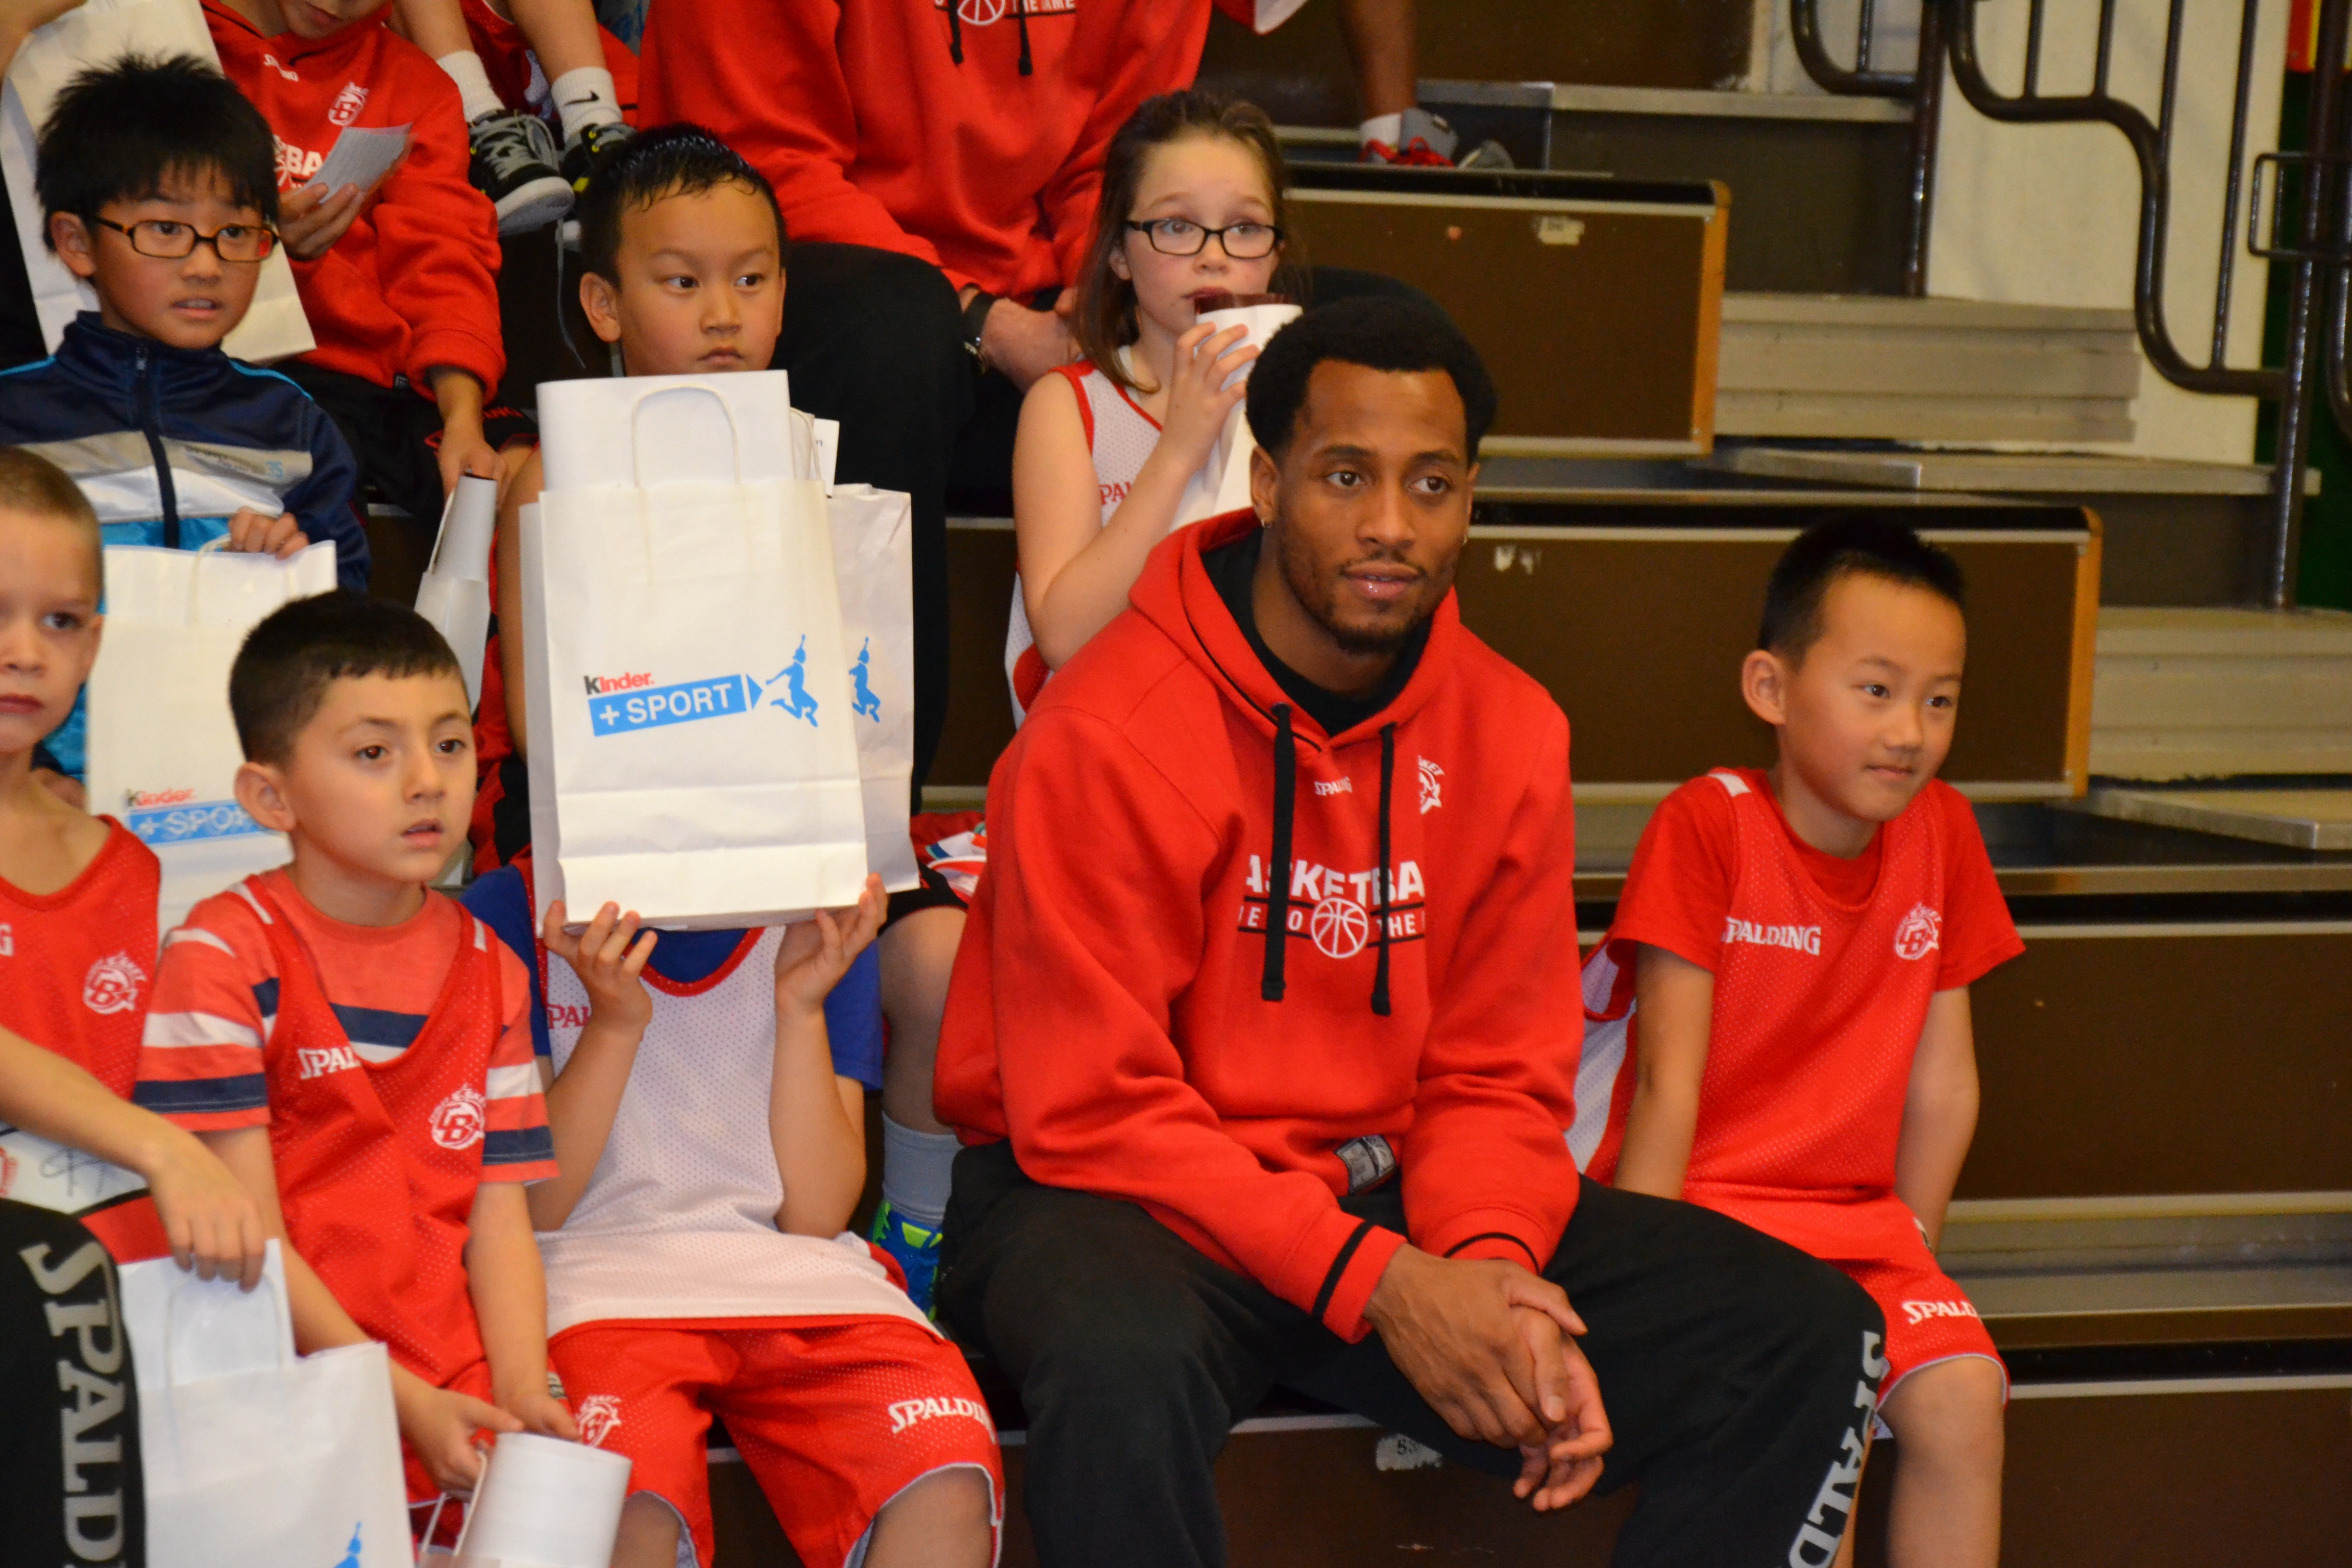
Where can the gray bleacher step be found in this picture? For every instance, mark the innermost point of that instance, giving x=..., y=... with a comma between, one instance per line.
x=2317, y=819
x=1940, y=370
x=1946, y=470
x=2193, y=693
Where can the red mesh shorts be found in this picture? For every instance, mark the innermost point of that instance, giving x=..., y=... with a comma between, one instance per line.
x=836, y=1417
x=1928, y=1318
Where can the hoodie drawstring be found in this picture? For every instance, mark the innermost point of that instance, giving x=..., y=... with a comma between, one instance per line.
x=955, y=32
x=1385, y=879
x=1278, y=896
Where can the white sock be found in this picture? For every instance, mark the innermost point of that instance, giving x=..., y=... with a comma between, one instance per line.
x=465, y=69
x=1382, y=128
x=917, y=1172
x=587, y=97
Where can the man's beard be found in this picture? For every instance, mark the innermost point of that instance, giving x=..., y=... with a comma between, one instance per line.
x=1320, y=599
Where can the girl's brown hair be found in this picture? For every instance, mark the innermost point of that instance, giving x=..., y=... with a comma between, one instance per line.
x=1106, y=318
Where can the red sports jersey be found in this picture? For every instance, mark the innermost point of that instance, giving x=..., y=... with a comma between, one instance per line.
x=1820, y=997
x=380, y=1149
x=75, y=964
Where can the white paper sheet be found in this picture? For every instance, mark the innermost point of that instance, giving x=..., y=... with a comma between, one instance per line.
x=361, y=156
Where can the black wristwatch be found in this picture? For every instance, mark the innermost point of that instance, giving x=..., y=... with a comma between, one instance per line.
x=975, y=317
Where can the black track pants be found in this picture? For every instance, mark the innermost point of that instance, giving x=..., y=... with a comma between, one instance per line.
x=1738, y=1373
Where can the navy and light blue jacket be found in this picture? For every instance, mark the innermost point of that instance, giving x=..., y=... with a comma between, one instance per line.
x=169, y=443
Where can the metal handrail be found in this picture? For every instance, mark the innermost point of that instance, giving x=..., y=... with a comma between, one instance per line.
x=1924, y=91
x=2320, y=293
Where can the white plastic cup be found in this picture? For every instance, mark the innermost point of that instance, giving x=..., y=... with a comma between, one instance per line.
x=469, y=520
x=543, y=1503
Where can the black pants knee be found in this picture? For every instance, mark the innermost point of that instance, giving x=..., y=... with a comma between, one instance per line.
x=1738, y=1373
x=69, y=1477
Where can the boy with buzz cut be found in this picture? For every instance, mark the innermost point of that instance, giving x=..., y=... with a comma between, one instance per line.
x=1782, y=999
x=77, y=950
x=713, y=1274
x=158, y=187
x=355, y=1046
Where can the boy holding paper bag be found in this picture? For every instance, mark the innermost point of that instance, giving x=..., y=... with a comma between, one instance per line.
x=158, y=189
x=711, y=1273
x=354, y=1045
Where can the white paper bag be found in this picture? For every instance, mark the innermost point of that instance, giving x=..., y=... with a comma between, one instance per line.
x=252, y=1455
x=693, y=756
x=162, y=749
x=98, y=33
x=454, y=592
x=1222, y=483
x=874, y=556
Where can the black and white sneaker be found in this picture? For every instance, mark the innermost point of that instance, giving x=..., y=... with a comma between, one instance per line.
x=585, y=150
x=514, y=166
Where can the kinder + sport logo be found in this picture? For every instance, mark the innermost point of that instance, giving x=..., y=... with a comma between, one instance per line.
x=1920, y=934
x=459, y=1121
x=113, y=985
x=621, y=704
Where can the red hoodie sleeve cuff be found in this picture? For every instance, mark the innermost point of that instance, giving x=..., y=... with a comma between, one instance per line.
x=459, y=350
x=1354, y=1275
x=1508, y=1233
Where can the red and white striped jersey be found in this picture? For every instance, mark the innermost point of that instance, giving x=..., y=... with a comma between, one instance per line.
x=1120, y=434
x=1818, y=1004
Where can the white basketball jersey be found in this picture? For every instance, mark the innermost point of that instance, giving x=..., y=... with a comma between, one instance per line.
x=1121, y=435
x=678, y=1220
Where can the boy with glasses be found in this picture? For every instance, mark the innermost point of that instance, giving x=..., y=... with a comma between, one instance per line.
x=158, y=187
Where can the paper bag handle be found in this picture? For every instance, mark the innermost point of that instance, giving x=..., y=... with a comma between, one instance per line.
x=172, y=1307
x=637, y=432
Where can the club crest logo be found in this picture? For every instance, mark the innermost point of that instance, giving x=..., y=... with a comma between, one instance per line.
x=1431, y=793
x=1920, y=934
x=348, y=104
x=460, y=1120
x=1340, y=927
x=113, y=985
x=598, y=1417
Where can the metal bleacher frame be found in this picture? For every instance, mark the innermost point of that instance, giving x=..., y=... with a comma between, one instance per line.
x=2312, y=202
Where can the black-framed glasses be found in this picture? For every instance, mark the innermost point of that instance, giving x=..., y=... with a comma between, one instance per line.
x=168, y=239
x=1183, y=236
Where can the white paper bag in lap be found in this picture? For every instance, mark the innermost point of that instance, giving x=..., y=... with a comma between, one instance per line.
x=1222, y=483
x=454, y=592
x=95, y=33
x=873, y=553
x=692, y=748
x=251, y=1454
x=163, y=749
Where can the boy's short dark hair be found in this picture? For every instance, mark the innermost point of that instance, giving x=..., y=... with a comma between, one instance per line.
x=679, y=160
x=31, y=483
x=119, y=133
x=1839, y=546
x=282, y=672
x=1378, y=331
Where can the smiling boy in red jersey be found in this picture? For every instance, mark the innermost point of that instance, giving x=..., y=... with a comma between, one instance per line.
x=356, y=1047
x=400, y=282
x=1837, y=906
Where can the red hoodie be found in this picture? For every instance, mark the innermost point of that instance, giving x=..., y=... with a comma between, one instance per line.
x=413, y=282
x=875, y=134
x=1109, y=1009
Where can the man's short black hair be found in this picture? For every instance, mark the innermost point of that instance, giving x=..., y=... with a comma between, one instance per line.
x=121, y=132
x=679, y=160
x=1842, y=545
x=1378, y=331
x=282, y=672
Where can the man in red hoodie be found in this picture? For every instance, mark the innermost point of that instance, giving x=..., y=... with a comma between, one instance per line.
x=400, y=282
x=1265, y=1030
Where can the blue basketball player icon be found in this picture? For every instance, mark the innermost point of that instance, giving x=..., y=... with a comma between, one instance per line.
x=797, y=701
x=860, y=679
x=351, y=1552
